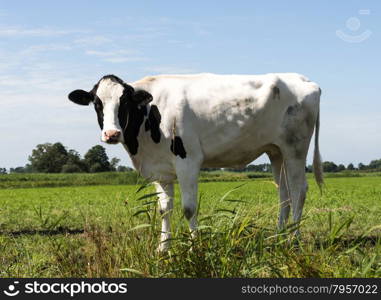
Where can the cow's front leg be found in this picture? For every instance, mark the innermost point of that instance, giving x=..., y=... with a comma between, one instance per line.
x=165, y=195
x=187, y=175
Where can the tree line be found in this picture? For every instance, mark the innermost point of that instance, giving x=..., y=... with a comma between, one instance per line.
x=55, y=158
x=328, y=167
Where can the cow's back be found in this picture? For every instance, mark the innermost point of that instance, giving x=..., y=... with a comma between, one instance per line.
x=231, y=117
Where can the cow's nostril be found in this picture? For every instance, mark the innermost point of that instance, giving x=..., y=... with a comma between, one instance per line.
x=112, y=134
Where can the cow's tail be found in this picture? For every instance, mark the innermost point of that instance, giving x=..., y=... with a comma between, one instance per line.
x=317, y=164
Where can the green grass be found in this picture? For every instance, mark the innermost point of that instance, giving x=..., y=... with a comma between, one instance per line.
x=111, y=231
x=12, y=181
x=57, y=180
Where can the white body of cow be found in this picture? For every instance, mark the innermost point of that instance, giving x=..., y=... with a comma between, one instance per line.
x=223, y=121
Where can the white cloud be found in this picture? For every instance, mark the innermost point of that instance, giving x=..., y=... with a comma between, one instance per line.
x=110, y=53
x=117, y=56
x=124, y=59
x=45, y=48
x=169, y=70
x=35, y=32
x=49, y=79
x=180, y=43
x=92, y=40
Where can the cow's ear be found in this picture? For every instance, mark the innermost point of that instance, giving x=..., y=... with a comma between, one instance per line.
x=81, y=97
x=142, y=97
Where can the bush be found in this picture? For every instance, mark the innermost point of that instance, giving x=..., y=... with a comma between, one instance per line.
x=71, y=168
x=97, y=167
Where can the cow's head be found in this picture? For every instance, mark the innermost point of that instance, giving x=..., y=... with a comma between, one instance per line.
x=115, y=102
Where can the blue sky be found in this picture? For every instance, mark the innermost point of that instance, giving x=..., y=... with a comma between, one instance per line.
x=49, y=48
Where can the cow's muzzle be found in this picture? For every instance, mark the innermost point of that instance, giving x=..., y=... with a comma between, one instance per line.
x=112, y=136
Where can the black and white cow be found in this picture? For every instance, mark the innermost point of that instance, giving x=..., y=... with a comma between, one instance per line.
x=173, y=125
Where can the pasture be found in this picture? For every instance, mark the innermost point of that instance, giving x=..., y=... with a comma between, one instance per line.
x=68, y=230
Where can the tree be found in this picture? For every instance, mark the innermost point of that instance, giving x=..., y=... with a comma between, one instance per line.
x=124, y=169
x=361, y=166
x=329, y=166
x=48, y=158
x=375, y=164
x=258, y=168
x=74, y=163
x=114, y=163
x=97, y=167
x=350, y=167
x=3, y=171
x=340, y=168
x=53, y=158
x=26, y=169
x=96, y=159
x=71, y=168
x=73, y=157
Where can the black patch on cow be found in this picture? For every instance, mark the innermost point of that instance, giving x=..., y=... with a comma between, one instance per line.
x=153, y=123
x=291, y=138
x=189, y=212
x=276, y=92
x=147, y=125
x=293, y=110
x=177, y=147
x=99, y=110
x=255, y=84
x=144, y=109
x=81, y=97
x=123, y=114
x=113, y=78
x=142, y=97
x=131, y=132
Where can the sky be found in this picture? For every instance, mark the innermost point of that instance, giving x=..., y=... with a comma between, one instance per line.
x=49, y=48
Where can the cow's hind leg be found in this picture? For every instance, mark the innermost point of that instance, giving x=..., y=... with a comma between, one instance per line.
x=296, y=184
x=165, y=195
x=187, y=175
x=279, y=172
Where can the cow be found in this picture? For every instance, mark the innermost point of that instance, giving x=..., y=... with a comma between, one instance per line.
x=174, y=125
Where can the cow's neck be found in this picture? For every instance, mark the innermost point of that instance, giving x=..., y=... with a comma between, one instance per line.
x=143, y=124
x=135, y=119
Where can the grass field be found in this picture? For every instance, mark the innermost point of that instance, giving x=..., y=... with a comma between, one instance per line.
x=107, y=178
x=112, y=231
